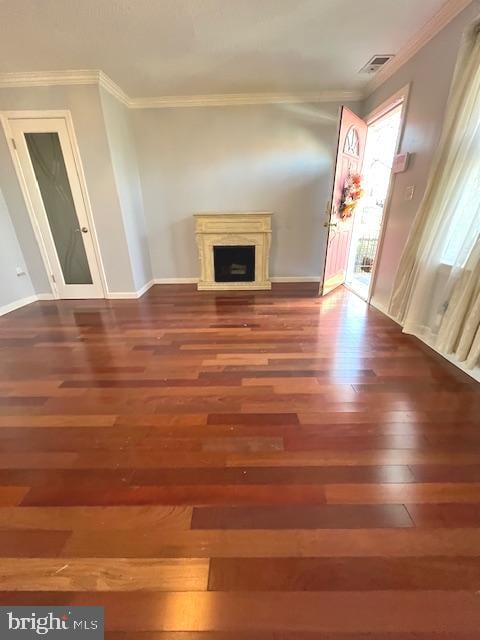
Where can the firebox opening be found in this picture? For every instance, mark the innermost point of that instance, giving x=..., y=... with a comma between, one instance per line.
x=234, y=264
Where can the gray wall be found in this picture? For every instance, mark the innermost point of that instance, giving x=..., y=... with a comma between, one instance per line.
x=246, y=158
x=12, y=286
x=21, y=222
x=125, y=168
x=84, y=105
x=430, y=74
x=249, y=158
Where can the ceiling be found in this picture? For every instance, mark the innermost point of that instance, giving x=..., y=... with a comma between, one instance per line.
x=187, y=47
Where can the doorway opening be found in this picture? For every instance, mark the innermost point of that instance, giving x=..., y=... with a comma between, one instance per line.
x=382, y=140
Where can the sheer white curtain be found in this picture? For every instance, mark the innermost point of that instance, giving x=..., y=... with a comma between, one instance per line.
x=437, y=292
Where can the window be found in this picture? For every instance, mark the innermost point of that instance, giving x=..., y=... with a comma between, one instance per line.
x=352, y=143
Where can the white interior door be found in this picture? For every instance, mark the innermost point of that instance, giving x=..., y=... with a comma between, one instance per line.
x=53, y=187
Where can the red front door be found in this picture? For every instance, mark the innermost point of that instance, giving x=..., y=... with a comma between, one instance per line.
x=351, y=146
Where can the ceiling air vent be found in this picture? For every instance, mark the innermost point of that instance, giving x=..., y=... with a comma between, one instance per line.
x=376, y=63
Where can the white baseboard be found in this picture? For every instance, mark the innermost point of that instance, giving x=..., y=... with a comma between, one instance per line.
x=45, y=296
x=7, y=308
x=473, y=373
x=115, y=295
x=121, y=295
x=145, y=288
x=18, y=304
x=273, y=279
x=134, y=295
x=175, y=281
x=383, y=310
x=295, y=278
x=130, y=295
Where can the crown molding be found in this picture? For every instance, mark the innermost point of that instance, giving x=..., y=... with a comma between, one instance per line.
x=101, y=79
x=105, y=82
x=63, y=78
x=239, y=99
x=49, y=78
x=440, y=20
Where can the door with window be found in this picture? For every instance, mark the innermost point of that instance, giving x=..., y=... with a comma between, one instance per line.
x=57, y=205
x=352, y=135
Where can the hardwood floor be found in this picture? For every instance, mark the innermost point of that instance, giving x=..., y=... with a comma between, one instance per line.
x=265, y=466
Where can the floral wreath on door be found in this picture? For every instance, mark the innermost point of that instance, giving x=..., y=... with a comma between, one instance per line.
x=352, y=193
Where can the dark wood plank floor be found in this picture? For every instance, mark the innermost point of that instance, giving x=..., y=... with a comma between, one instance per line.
x=238, y=466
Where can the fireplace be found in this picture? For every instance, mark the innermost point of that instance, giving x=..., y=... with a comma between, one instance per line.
x=234, y=263
x=233, y=250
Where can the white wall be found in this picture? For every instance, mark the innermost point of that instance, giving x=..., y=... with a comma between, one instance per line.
x=429, y=73
x=127, y=179
x=248, y=158
x=13, y=288
x=85, y=107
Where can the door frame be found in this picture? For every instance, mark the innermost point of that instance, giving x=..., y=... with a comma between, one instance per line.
x=5, y=118
x=399, y=97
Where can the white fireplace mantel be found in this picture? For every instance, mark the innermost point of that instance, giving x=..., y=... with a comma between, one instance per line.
x=242, y=229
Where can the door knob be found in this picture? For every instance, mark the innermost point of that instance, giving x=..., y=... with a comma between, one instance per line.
x=84, y=230
x=330, y=224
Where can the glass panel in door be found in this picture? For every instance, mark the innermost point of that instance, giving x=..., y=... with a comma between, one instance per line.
x=49, y=167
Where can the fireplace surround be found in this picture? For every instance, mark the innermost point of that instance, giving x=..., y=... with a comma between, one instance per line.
x=233, y=250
